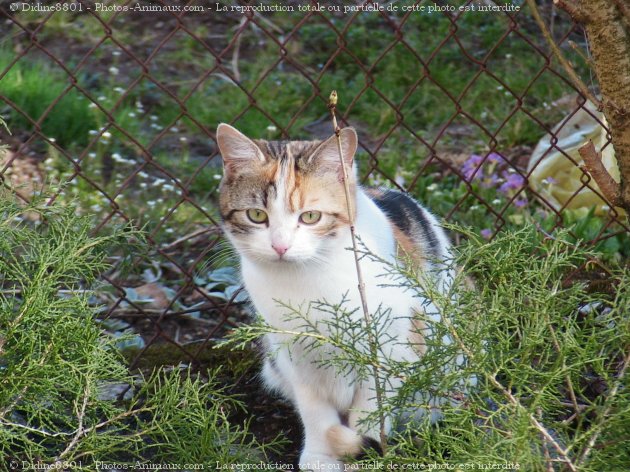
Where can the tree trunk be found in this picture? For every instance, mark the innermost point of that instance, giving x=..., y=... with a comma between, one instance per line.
x=607, y=25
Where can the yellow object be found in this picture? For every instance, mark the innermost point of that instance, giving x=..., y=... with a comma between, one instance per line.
x=558, y=178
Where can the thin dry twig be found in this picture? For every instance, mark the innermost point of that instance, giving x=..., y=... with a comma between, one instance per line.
x=595, y=167
x=548, y=460
x=573, y=9
x=237, y=48
x=579, y=84
x=580, y=53
x=194, y=234
x=80, y=428
x=332, y=105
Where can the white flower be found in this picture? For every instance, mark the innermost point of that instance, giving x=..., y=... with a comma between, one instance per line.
x=183, y=139
x=91, y=155
x=153, y=118
x=131, y=114
x=496, y=201
x=101, y=98
x=107, y=135
x=174, y=130
x=432, y=187
x=116, y=52
x=272, y=129
x=119, y=90
x=92, y=105
x=114, y=70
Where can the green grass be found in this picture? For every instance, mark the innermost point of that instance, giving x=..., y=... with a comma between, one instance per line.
x=33, y=86
x=487, y=107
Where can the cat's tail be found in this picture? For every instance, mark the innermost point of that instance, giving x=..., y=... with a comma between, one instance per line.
x=346, y=442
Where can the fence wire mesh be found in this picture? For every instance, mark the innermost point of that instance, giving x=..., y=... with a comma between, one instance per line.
x=114, y=105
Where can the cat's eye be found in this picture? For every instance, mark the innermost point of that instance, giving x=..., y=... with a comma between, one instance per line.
x=256, y=215
x=310, y=217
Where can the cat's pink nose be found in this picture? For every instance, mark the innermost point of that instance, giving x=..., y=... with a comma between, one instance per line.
x=280, y=248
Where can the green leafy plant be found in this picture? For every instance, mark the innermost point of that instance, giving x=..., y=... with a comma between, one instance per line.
x=67, y=398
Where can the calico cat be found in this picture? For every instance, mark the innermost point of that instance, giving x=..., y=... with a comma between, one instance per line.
x=284, y=210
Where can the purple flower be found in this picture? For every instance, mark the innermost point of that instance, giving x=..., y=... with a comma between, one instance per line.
x=469, y=168
x=512, y=182
x=482, y=168
x=496, y=158
x=486, y=233
x=520, y=202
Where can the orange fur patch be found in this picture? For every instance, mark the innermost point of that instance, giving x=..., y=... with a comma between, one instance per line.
x=416, y=336
x=344, y=441
x=407, y=249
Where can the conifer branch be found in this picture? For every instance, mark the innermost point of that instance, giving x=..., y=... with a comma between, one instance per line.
x=564, y=453
x=604, y=415
x=332, y=106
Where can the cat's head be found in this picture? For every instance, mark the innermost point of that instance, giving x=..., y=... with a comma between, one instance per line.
x=284, y=201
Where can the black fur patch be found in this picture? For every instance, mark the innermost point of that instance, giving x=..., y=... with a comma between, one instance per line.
x=407, y=215
x=368, y=443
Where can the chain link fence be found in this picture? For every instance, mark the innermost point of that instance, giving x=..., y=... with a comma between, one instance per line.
x=113, y=106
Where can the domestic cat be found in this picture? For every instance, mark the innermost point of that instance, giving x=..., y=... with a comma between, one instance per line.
x=284, y=210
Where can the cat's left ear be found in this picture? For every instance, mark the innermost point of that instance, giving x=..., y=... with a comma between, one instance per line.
x=328, y=152
x=236, y=148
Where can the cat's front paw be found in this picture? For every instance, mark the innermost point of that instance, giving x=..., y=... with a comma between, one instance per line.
x=319, y=462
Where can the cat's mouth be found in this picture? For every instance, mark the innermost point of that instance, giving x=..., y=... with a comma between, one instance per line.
x=285, y=259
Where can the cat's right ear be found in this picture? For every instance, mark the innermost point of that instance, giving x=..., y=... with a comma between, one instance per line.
x=237, y=149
